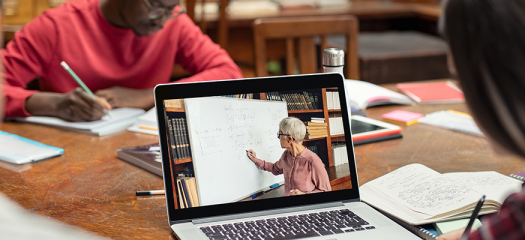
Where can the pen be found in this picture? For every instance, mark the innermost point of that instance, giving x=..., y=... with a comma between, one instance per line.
x=472, y=218
x=250, y=153
x=257, y=194
x=74, y=75
x=148, y=127
x=152, y=192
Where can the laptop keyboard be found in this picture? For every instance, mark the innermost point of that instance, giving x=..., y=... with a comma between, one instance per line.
x=291, y=227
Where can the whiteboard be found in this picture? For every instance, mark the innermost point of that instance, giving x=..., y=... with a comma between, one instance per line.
x=220, y=130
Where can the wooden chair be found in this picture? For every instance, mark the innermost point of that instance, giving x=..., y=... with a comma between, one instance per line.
x=222, y=37
x=305, y=29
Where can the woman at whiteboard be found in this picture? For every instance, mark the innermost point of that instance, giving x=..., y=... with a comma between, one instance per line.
x=303, y=170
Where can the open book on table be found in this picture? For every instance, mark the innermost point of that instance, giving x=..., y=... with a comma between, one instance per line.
x=361, y=94
x=418, y=195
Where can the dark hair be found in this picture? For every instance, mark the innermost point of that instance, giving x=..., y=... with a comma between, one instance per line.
x=487, y=42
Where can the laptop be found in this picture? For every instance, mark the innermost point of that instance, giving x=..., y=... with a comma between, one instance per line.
x=214, y=191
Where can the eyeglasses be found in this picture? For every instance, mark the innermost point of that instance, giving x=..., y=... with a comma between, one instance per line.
x=282, y=134
x=158, y=12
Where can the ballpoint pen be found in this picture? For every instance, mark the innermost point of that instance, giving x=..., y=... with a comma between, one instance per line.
x=472, y=218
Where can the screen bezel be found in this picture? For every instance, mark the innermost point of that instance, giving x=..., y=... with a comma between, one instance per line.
x=251, y=85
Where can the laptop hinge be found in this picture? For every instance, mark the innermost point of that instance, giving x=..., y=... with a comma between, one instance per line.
x=267, y=212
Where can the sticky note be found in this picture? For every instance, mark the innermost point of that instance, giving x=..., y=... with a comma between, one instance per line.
x=400, y=116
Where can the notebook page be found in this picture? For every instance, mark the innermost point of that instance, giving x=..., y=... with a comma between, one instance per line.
x=494, y=185
x=424, y=190
x=360, y=93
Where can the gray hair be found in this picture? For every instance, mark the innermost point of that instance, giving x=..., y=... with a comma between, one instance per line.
x=293, y=126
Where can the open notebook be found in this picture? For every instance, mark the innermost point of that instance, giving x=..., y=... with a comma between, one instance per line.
x=120, y=119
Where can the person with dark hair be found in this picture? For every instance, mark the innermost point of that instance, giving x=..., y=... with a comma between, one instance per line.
x=486, y=40
x=121, y=49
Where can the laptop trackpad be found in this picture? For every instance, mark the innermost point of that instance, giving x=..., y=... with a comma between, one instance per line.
x=191, y=234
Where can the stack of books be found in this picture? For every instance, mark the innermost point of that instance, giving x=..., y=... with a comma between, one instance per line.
x=187, y=192
x=316, y=130
x=174, y=103
x=336, y=126
x=332, y=100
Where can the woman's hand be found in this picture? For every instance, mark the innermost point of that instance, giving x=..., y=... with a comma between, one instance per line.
x=454, y=235
x=296, y=192
x=252, y=155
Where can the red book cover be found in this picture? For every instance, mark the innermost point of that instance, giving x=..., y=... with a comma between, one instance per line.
x=436, y=92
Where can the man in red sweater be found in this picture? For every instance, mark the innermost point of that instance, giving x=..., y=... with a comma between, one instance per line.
x=121, y=49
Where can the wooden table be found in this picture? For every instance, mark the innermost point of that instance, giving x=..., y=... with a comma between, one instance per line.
x=90, y=188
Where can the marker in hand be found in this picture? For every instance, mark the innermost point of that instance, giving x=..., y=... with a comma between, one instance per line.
x=251, y=154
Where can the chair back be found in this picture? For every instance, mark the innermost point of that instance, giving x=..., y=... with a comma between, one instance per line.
x=304, y=30
x=222, y=20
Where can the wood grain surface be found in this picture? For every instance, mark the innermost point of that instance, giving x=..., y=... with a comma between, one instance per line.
x=90, y=188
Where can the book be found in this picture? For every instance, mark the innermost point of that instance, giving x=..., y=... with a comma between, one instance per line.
x=146, y=123
x=147, y=157
x=419, y=195
x=119, y=119
x=19, y=150
x=191, y=188
x=186, y=193
x=435, y=92
x=402, y=117
x=449, y=226
x=361, y=95
x=453, y=120
x=180, y=194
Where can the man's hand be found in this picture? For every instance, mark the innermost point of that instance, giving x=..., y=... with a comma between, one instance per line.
x=120, y=97
x=296, y=192
x=454, y=235
x=74, y=106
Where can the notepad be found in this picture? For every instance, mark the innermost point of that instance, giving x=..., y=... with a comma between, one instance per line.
x=120, y=119
x=361, y=94
x=449, y=226
x=435, y=92
x=19, y=150
x=403, y=117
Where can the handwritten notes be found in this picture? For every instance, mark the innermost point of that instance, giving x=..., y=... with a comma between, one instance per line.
x=221, y=129
x=425, y=190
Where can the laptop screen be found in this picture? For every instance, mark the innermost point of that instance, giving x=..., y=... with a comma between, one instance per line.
x=249, y=145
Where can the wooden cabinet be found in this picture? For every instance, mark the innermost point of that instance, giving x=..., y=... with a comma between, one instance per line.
x=16, y=13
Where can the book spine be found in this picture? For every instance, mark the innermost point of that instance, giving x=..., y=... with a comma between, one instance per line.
x=177, y=141
x=172, y=140
x=186, y=193
x=180, y=195
x=186, y=137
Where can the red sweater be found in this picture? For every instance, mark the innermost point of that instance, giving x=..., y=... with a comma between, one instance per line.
x=104, y=56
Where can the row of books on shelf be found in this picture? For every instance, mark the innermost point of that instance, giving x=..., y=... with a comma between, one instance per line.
x=316, y=130
x=243, y=96
x=178, y=138
x=187, y=192
x=297, y=101
x=336, y=126
x=339, y=154
x=332, y=100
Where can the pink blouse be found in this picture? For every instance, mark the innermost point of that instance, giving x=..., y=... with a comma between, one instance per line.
x=306, y=172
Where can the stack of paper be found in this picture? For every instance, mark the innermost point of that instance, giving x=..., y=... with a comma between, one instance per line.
x=452, y=120
x=118, y=120
x=146, y=123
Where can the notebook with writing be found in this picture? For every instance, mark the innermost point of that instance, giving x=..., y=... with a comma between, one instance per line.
x=282, y=196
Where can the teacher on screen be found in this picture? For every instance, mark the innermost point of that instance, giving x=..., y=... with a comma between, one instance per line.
x=303, y=170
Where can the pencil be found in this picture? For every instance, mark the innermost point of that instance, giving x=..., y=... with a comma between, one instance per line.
x=77, y=79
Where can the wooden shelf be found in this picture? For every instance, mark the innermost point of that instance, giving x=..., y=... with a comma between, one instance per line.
x=306, y=111
x=314, y=139
x=334, y=110
x=336, y=136
x=181, y=161
x=172, y=109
